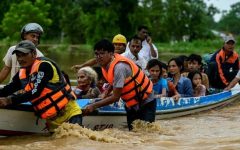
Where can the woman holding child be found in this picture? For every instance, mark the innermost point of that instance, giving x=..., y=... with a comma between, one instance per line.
x=182, y=84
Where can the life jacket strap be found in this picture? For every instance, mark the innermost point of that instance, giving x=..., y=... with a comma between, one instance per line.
x=139, y=94
x=66, y=94
x=133, y=78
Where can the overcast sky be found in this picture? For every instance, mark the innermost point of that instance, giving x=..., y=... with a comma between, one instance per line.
x=221, y=5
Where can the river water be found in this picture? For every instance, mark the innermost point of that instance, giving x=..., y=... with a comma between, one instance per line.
x=212, y=130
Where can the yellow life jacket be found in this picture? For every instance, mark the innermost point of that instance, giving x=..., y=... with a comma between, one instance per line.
x=136, y=88
x=55, y=94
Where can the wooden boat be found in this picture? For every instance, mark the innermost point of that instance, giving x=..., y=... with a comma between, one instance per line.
x=21, y=120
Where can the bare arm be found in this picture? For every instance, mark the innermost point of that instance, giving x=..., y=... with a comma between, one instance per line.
x=153, y=52
x=164, y=93
x=106, y=93
x=4, y=73
x=205, y=81
x=232, y=83
x=90, y=63
x=109, y=100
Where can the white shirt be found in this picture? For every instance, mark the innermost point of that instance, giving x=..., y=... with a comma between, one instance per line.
x=145, y=52
x=11, y=60
x=141, y=62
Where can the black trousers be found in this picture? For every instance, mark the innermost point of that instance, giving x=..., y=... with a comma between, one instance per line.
x=145, y=113
x=77, y=119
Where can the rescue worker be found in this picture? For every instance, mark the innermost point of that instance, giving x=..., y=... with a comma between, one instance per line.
x=128, y=83
x=119, y=41
x=41, y=83
x=30, y=31
x=233, y=82
x=224, y=65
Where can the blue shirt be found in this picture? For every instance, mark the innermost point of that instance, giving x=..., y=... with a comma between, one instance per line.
x=184, y=87
x=161, y=84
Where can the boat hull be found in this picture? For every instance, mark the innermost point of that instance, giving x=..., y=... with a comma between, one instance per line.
x=21, y=120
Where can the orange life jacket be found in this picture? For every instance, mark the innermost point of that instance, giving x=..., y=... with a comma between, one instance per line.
x=227, y=67
x=136, y=88
x=53, y=97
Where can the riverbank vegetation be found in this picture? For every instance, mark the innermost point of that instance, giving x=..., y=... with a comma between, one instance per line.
x=72, y=27
x=197, y=46
x=76, y=22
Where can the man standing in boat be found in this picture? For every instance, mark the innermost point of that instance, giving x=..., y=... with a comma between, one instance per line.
x=224, y=65
x=42, y=83
x=149, y=50
x=135, y=45
x=128, y=82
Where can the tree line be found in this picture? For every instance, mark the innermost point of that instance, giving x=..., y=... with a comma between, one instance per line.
x=84, y=21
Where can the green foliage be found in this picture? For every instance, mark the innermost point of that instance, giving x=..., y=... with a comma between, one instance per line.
x=54, y=30
x=170, y=20
x=230, y=22
x=186, y=17
x=22, y=13
x=74, y=29
x=93, y=20
x=84, y=21
x=100, y=25
x=4, y=7
x=196, y=46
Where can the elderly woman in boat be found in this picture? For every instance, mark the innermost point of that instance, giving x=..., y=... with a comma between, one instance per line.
x=87, y=80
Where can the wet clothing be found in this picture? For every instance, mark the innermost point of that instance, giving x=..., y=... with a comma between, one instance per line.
x=136, y=89
x=222, y=69
x=71, y=114
x=55, y=94
x=40, y=81
x=146, y=113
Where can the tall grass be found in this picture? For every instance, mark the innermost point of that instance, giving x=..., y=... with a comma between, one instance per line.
x=198, y=46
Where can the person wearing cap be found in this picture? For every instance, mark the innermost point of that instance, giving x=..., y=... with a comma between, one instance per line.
x=224, y=65
x=119, y=41
x=149, y=50
x=32, y=32
x=42, y=84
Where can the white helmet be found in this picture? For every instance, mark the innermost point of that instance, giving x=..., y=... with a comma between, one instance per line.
x=31, y=28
